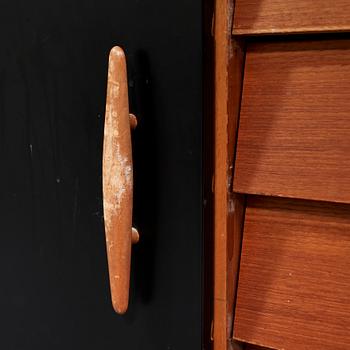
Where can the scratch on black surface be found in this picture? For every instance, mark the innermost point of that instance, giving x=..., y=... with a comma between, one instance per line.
x=31, y=151
x=29, y=136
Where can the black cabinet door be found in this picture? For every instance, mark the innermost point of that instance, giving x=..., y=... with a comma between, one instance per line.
x=54, y=290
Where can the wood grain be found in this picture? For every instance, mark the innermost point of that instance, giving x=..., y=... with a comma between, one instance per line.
x=294, y=132
x=228, y=207
x=294, y=284
x=298, y=16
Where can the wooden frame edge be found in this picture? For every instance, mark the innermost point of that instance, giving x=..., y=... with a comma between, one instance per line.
x=228, y=207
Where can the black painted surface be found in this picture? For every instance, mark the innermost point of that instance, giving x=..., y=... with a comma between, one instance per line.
x=54, y=290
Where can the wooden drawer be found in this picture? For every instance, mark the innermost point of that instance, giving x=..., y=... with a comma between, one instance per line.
x=298, y=16
x=294, y=131
x=293, y=290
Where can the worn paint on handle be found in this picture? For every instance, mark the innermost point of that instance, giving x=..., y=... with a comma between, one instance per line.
x=118, y=181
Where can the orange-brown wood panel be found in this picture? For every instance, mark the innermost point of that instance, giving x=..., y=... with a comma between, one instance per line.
x=298, y=16
x=228, y=207
x=294, y=132
x=294, y=284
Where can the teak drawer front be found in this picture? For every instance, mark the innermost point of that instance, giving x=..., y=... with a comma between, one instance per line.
x=294, y=282
x=294, y=131
x=298, y=16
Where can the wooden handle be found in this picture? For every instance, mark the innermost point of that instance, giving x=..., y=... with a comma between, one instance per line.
x=118, y=181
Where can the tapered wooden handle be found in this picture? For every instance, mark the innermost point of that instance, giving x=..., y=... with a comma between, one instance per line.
x=118, y=181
